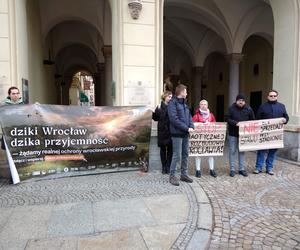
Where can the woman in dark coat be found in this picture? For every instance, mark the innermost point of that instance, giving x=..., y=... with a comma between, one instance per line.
x=163, y=130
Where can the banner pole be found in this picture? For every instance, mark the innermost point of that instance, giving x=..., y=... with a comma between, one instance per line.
x=12, y=166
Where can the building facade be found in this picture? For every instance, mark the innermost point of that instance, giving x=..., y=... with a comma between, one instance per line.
x=134, y=49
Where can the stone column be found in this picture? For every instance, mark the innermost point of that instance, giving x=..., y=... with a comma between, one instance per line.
x=286, y=76
x=107, y=53
x=197, y=85
x=234, y=75
x=138, y=53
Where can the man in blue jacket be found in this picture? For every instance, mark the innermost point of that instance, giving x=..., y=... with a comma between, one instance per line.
x=180, y=125
x=268, y=110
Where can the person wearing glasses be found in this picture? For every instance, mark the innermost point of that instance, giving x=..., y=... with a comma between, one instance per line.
x=268, y=110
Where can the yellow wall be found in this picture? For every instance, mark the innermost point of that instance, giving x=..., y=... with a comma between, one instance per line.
x=31, y=53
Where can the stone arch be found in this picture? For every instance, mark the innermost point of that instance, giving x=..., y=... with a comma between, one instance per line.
x=213, y=20
x=256, y=69
x=258, y=20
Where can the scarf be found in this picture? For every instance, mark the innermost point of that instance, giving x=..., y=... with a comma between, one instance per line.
x=204, y=114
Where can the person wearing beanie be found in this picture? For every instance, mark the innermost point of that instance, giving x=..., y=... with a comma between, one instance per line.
x=204, y=115
x=270, y=109
x=238, y=111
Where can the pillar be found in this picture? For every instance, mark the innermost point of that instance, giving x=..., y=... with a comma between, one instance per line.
x=234, y=76
x=138, y=52
x=197, y=85
x=286, y=71
x=107, y=53
x=8, y=65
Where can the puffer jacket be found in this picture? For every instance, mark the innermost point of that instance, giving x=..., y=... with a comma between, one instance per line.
x=271, y=110
x=180, y=117
x=199, y=118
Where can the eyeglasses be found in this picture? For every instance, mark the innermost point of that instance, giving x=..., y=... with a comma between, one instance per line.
x=15, y=93
x=272, y=95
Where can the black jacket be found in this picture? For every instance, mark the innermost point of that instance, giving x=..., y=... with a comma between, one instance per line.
x=271, y=110
x=180, y=117
x=163, y=126
x=236, y=114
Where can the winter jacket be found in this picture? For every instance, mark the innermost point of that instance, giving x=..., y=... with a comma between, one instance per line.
x=199, y=118
x=8, y=101
x=163, y=126
x=271, y=110
x=236, y=114
x=180, y=117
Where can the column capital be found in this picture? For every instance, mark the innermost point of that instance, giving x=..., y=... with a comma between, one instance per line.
x=235, y=57
x=107, y=51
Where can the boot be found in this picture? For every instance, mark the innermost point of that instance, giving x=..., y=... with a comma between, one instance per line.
x=168, y=169
x=198, y=173
x=213, y=173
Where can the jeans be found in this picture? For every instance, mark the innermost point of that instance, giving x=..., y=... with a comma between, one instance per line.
x=180, y=150
x=166, y=157
x=233, y=148
x=210, y=163
x=269, y=161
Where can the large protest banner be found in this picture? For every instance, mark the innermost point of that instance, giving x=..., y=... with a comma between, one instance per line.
x=261, y=134
x=44, y=140
x=208, y=139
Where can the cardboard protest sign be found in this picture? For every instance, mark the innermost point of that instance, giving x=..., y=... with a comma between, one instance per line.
x=208, y=139
x=59, y=140
x=261, y=134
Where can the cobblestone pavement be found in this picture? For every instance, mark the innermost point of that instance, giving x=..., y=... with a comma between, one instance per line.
x=254, y=212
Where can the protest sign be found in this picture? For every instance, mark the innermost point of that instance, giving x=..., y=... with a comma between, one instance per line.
x=58, y=140
x=208, y=139
x=261, y=134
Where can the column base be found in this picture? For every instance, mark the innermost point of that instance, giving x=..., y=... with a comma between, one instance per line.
x=291, y=150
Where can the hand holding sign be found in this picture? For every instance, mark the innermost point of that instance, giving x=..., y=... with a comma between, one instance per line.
x=261, y=134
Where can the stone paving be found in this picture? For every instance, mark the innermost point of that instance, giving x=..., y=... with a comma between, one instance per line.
x=136, y=210
x=254, y=212
x=130, y=210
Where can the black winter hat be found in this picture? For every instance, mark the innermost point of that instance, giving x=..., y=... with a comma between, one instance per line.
x=240, y=97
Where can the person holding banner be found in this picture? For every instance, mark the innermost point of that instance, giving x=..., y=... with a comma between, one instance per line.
x=180, y=125
x=163, y=131
x=268, y=110
x=204, y=115
x=12, y=98
x=238, y=111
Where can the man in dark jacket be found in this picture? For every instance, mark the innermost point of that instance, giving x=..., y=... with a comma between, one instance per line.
x=268, y=110
x=12, y=98
x=238, y=112
x=180, y=125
